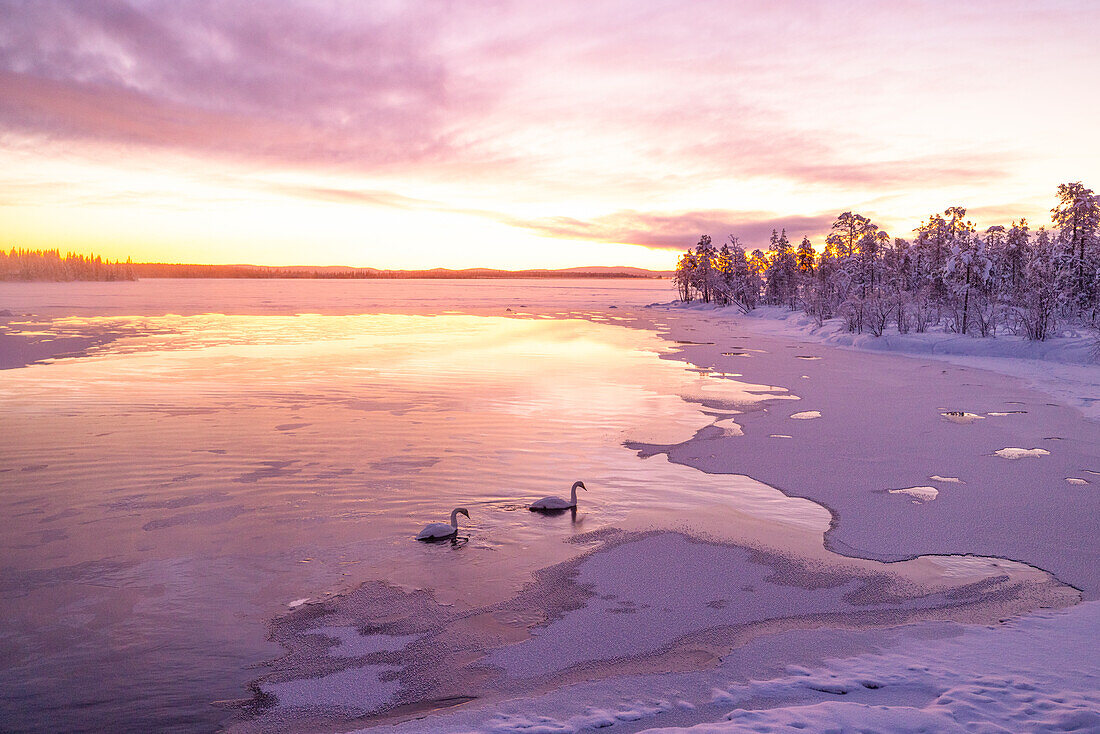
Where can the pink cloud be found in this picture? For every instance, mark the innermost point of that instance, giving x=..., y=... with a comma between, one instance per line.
x=634, y=102
x=677, y=231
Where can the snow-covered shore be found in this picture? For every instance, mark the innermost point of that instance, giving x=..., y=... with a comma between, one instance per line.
x=668, y=630
x=1035, y=674
x=1065, y=366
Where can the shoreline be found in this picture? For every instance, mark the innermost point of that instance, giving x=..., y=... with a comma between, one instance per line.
x=688, y=340
x=725, y=659
x=1066, y=367
x=978, y=514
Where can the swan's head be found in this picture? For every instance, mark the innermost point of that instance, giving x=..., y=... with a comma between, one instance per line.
x=462, y=511
x=580, y=485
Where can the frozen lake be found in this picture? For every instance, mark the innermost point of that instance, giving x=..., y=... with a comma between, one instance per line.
x=210, y=457
x=178, y=485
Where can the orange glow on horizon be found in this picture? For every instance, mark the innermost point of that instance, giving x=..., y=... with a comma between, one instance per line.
x=454, y=140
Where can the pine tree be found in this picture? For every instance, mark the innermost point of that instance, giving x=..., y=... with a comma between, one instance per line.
x=1077, y=217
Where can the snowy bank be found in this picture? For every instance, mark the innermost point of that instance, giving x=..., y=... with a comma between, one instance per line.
x=1064, y=366
x=1035, y=674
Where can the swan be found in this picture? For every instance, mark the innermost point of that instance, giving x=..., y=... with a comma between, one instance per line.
x=557, y=503
x=438, y=530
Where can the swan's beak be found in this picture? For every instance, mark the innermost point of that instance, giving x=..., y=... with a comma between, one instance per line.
x=584, y=487
x=466, y=514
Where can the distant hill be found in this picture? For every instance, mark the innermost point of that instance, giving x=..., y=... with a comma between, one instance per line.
x=186, y=270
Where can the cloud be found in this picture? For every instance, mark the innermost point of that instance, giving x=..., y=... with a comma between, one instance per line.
x=373, y=197
x=679, y=231
x=801, y=105
x=261, y=81
x=675, y=231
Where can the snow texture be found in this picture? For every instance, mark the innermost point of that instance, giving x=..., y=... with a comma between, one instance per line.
x=1017, y=453
x=1037, y=674
x=1063, y=366
x=924, y=494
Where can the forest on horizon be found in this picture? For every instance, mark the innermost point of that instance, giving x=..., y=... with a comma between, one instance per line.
x=49, y=265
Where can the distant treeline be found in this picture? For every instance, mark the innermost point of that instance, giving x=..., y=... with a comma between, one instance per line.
x=19, y=264
x=950, y=274
x=182, y=270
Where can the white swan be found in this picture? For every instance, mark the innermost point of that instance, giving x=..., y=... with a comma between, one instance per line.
x=557, y=503
x=438, y=530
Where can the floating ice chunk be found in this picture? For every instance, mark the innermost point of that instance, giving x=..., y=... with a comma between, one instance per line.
x=1014, y=453
x=297, y=602
x=962, y=417
x=779, y=435
x=938, y=478
x=729, y=427
x=1076, y=480
x=806, y=415
x=924, y=494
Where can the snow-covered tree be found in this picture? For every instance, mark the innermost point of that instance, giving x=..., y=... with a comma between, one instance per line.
x=949, y=275
x=685, y=271
x=781, y=275
x=704, y=275
x=1037, y=311
x=1077, y=217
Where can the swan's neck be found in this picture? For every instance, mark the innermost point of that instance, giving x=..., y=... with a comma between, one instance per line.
x=573, y=495
x=454, y=519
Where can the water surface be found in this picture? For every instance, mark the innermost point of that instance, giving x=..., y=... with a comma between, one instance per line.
x=181, y=483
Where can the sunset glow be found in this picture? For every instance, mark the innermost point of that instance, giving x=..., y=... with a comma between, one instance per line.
x=515, y=135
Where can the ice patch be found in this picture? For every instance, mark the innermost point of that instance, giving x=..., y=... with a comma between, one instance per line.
x=1076, y=480
x=729, y=427
x=592, y=718
x=962, y=417
x=1015, y=453
x=359, y=689
x=352, y=644
x=924, y=494
x=806, y=415
x=779, y=435
x=297, y=602
x=938, y=478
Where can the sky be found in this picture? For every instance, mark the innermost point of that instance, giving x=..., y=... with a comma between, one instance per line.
x=528, y=134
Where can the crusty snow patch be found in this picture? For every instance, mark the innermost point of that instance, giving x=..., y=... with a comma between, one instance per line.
x=1037, y=673
x=729, y=427
x=1014, y=453
x=806, y=415
x=962, y=417
x=924, y=494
